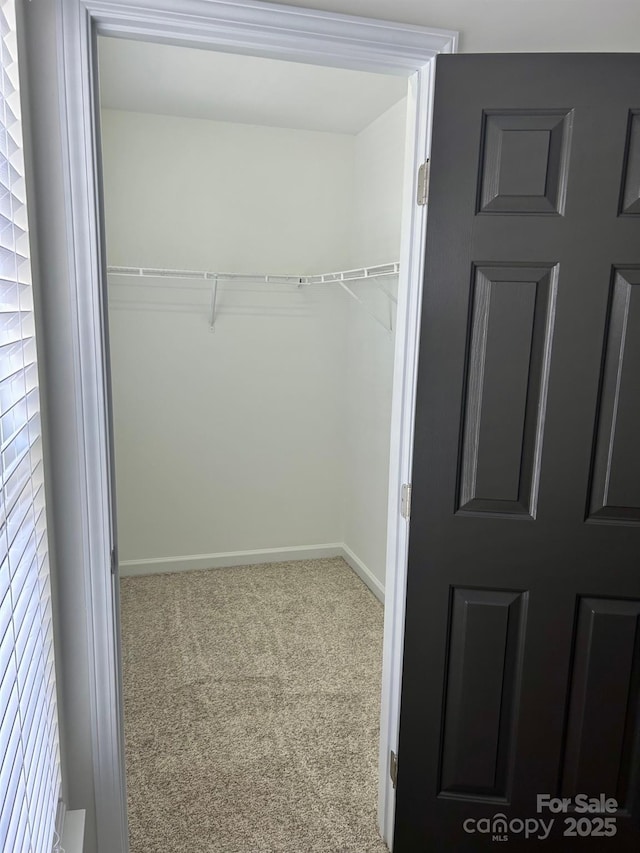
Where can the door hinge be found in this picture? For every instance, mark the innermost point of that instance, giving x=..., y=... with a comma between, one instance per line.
x=423, y=183
x=405, y=501
x=393, y=768
x=114, y=561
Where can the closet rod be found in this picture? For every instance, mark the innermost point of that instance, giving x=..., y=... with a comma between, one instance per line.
x=201, y=275
x=340, y=278
x=206, y=275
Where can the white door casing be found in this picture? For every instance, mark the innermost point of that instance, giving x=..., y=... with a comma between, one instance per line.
x=255, y=28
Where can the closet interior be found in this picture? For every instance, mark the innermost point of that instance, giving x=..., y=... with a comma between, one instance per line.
x=253, y=222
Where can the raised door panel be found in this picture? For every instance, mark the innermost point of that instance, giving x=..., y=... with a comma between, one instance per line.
x=510, y=337
x=485, y=649
x=602, y=726
x=524, y=164
x=630, y=195
x=615, y=487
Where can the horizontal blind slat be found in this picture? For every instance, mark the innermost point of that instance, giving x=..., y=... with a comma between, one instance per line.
x=11, y=707
x=7, y=661
x=11, y=772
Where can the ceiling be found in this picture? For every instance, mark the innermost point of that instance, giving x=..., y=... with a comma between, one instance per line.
x=186, y=81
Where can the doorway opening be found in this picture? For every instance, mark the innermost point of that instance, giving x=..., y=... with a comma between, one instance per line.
x=255, y=29
x=253, y=211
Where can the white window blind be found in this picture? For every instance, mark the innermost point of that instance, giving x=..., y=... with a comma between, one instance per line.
x=29, y=752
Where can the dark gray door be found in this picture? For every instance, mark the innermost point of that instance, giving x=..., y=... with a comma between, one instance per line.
x=522, y=645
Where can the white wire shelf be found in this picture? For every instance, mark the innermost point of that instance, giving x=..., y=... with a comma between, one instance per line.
x=341, y=277
x=379, y=271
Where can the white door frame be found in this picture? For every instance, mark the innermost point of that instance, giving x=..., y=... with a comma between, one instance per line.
x=255, y=28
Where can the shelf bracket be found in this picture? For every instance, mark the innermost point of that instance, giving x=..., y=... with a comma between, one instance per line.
x=364, y=305
x=214, y=297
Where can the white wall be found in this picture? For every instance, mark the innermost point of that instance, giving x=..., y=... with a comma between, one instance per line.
x=377, y=193
x=379, y=166
x=508, y=26
x=272, y=431
x=231, y=440
x=197, y=194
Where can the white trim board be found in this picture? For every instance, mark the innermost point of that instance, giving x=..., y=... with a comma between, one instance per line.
x=68, y=188
x=226, y=559
x=72, y=840
x=364, y=572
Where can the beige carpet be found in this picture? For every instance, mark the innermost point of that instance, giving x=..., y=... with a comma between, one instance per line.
x=251, y=710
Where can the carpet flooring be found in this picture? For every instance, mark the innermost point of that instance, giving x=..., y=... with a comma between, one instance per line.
x=252, y=701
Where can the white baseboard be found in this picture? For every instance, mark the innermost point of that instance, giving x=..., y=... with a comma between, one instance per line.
x=72, y=840
x=364, y=573
x=160, y=565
